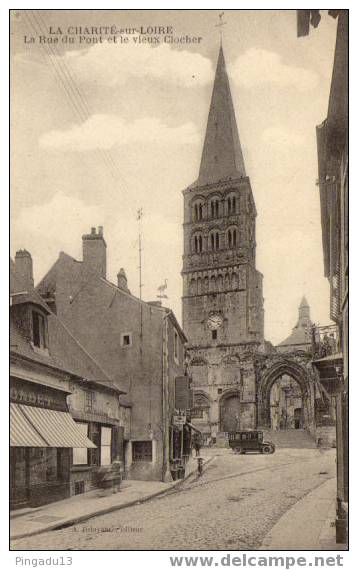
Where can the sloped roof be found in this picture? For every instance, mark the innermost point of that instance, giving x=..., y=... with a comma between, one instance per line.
x=65, y=352
x=222, y=156
x=81, y=274
x=299, y=335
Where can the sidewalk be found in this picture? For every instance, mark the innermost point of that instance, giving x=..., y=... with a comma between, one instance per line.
x=80, y=508
x=307, y=525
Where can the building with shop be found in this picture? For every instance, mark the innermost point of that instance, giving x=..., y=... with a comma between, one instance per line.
x=65, y=416
x=140, y=346
x=332, y=150
x=222, y=301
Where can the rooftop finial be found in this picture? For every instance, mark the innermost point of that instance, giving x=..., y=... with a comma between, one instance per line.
x=220, y=25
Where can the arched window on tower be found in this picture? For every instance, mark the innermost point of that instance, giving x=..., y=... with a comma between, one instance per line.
x=231, y=204
x=232, y=237
x=198, y=243
x=214, y=240
x=214, y=208
x=198, y=211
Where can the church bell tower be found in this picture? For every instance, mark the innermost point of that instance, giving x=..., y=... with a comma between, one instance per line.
x=222, y=289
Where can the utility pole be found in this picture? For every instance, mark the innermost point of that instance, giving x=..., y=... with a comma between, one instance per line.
x=139, y=219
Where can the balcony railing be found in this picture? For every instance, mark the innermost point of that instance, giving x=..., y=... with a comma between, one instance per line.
x=325, y=341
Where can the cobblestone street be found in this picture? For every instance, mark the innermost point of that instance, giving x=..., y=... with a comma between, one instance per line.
x=232, y=507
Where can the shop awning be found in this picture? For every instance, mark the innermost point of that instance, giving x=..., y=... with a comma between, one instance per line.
x=22, y=434
x=58, y=429
x=193, y=427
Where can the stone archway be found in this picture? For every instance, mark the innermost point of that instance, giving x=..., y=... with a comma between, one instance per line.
x=273, y=373
x=229, y=411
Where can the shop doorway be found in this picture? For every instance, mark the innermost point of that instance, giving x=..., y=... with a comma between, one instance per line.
x=19, y=477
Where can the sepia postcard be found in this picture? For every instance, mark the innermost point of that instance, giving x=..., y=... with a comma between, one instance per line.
x=179, y=284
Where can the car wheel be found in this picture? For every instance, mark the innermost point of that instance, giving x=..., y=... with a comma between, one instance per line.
x=238, y=450
x=266, y=449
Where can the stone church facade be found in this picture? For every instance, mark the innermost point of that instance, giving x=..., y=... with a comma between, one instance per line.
x=223, y=316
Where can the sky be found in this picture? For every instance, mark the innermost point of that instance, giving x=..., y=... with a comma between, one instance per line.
x=99, y=130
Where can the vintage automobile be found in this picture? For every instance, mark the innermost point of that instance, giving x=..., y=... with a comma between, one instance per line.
x=247, y=441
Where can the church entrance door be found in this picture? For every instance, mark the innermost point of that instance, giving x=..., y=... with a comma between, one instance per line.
x=230, y=414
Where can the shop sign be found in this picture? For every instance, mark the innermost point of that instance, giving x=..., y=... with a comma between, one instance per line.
x=40, y=396
x=182, y=393
x=179, y=421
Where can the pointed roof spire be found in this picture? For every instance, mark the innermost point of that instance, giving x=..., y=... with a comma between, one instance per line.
x=301, y=333
x=222, y=156
x=304, y=319
x=304, y=302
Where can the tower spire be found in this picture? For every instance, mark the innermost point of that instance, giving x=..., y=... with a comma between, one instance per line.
x=222, y=156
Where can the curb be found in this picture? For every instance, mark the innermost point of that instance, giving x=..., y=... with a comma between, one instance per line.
x=268, y=539
x=74, y=520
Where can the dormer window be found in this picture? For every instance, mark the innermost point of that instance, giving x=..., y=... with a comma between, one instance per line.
x=39, y=330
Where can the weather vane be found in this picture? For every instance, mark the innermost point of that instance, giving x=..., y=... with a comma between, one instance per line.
x=221, y=24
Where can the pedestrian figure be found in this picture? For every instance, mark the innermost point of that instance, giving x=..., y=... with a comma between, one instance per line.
x=197, y=446
x=116, y=468
x=200, y=461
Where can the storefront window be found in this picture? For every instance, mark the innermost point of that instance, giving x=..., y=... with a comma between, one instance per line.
x=80, y=455
x=106, y=439
x=94, y=435
x=142, y=451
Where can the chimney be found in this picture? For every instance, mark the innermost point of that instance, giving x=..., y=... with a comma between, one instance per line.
x=23, y=271
x=122, y=280
x=94, y=251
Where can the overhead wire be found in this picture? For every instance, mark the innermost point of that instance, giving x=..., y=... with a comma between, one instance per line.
x=75, y=97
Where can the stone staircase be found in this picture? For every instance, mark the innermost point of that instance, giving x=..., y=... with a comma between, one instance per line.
x=291, y=438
